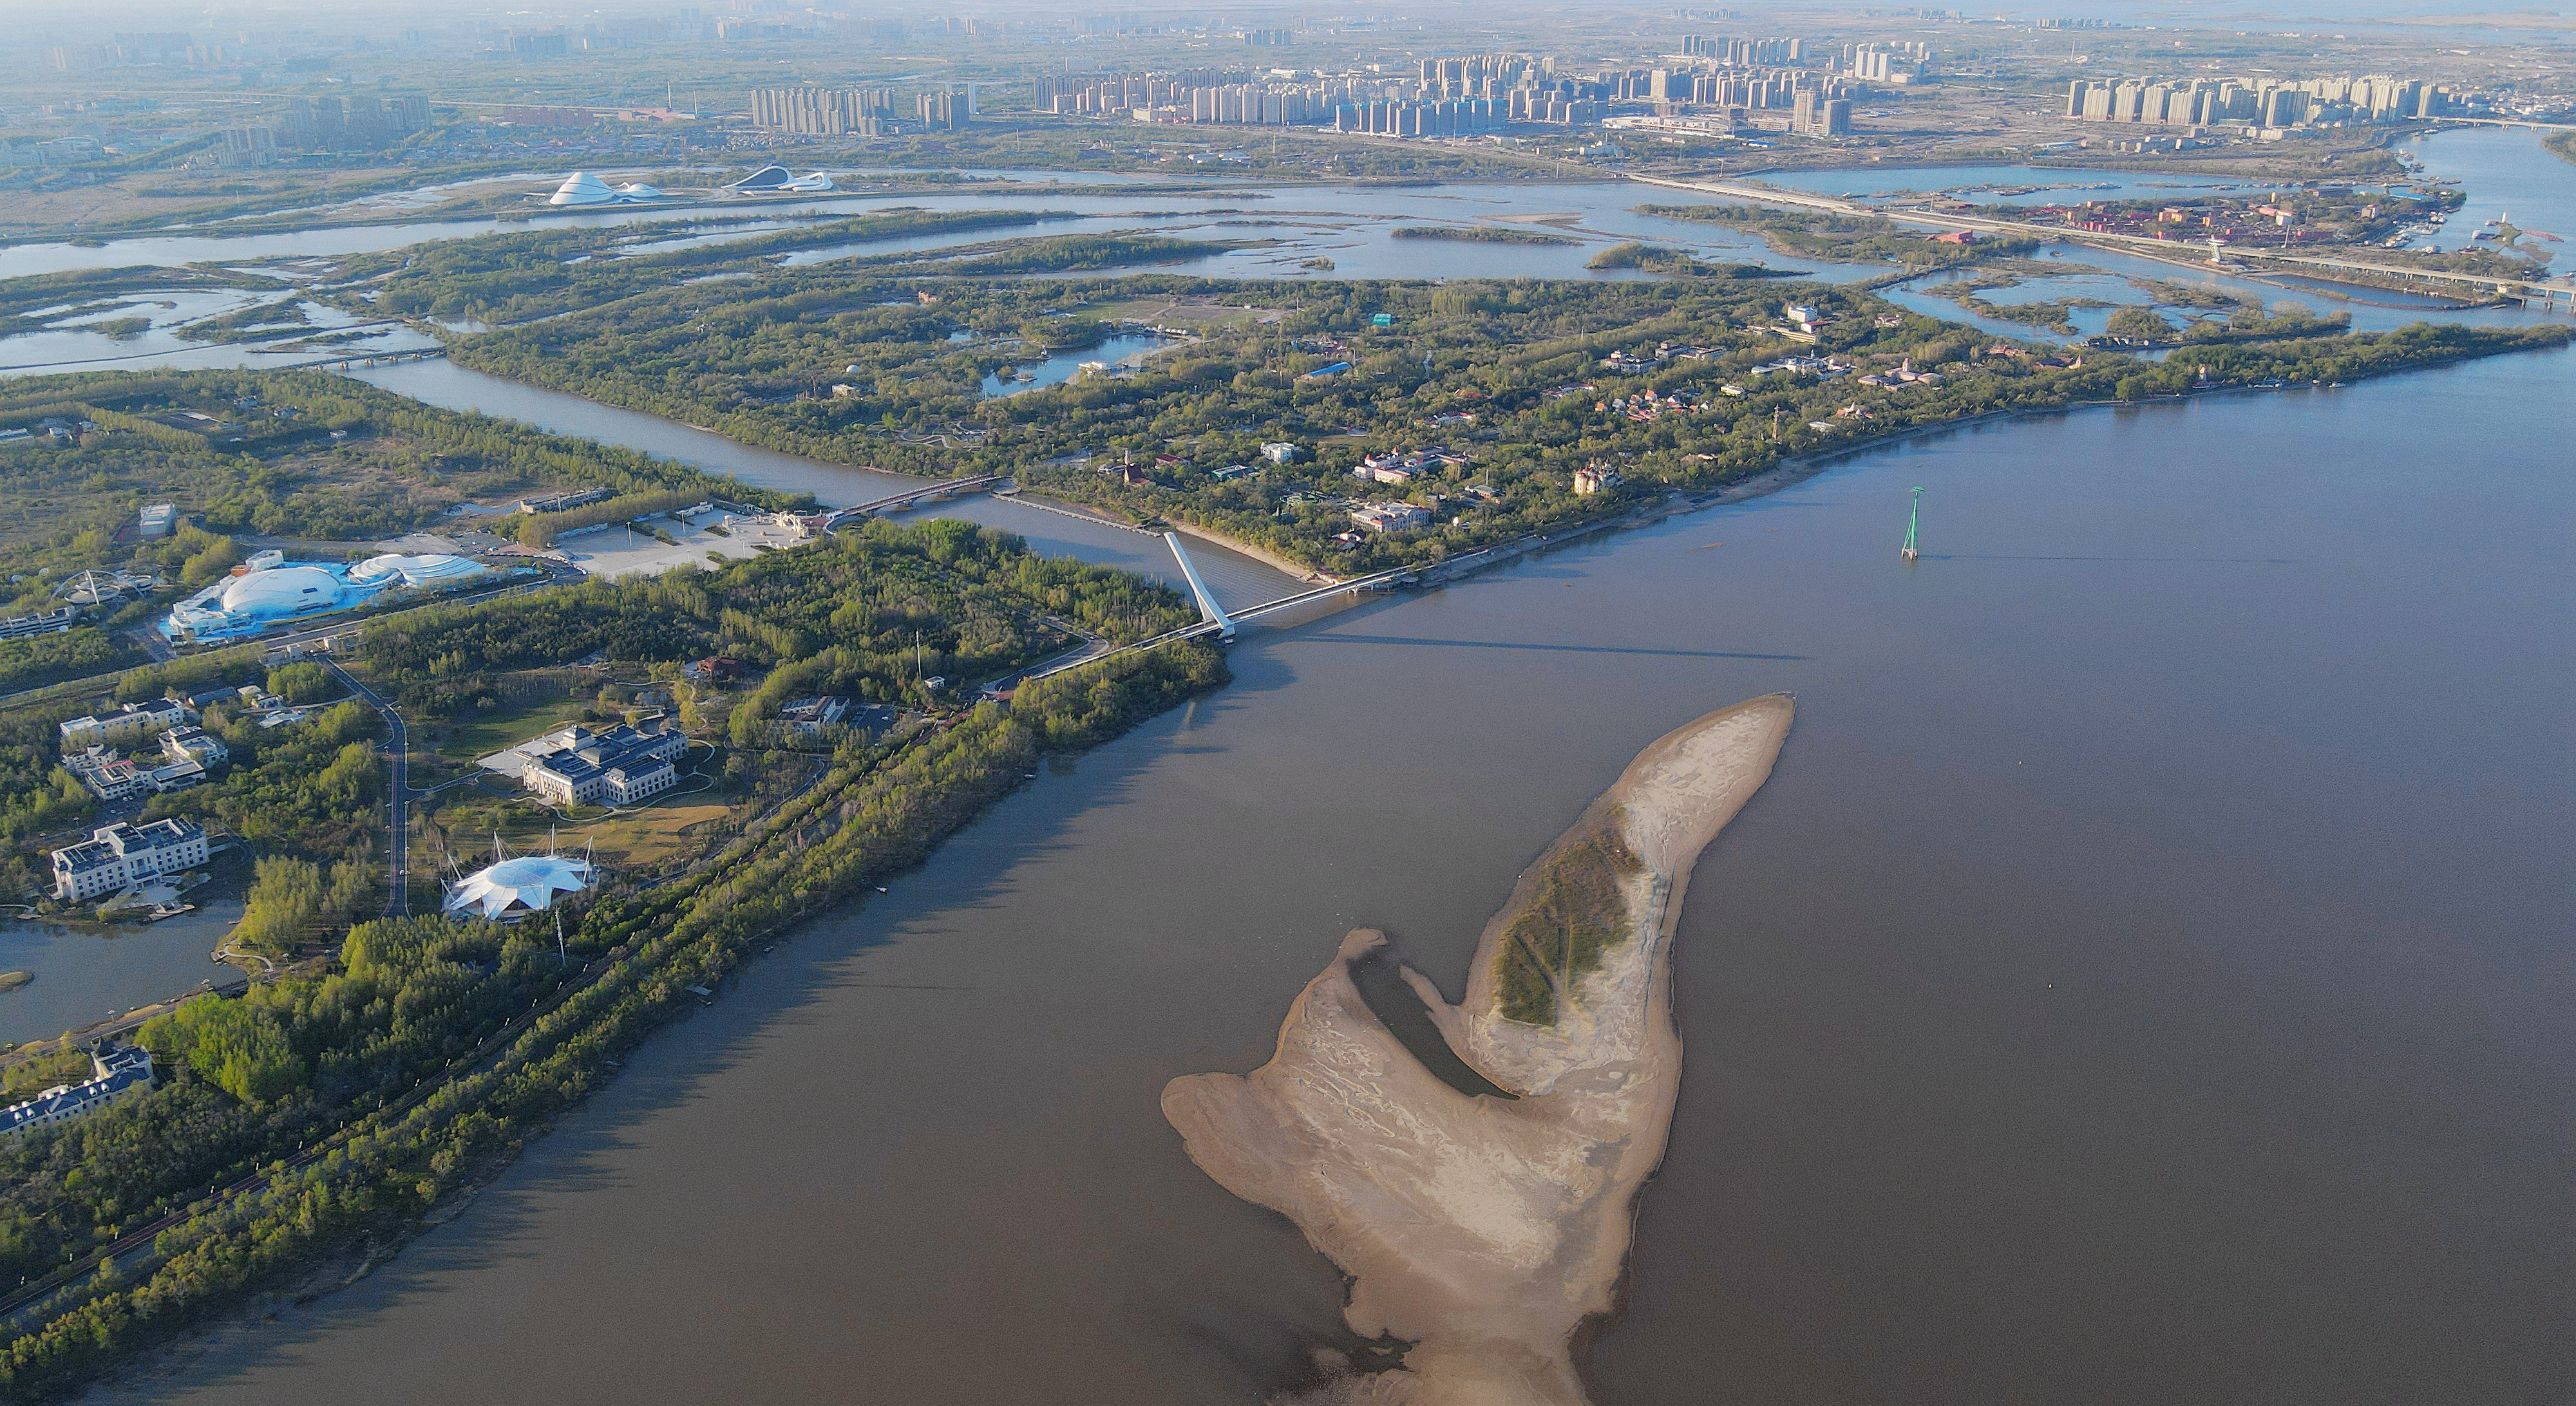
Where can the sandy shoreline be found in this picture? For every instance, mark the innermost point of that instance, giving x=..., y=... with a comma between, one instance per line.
x=1485, y=1231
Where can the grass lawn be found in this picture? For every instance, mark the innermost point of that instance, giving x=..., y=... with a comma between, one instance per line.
x=484, y=731
x=659, y=834
x=1198, y=313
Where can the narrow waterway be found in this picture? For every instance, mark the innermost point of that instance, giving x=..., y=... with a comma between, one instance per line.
x=1236, y=580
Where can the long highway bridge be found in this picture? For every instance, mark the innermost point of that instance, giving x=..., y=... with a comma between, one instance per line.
x=942, y=489
x=2548, y=293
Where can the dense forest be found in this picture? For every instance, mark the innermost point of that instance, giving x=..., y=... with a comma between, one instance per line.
x=873, y=611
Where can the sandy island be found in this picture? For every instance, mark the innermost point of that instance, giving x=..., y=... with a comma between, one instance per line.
x=1483, y=1231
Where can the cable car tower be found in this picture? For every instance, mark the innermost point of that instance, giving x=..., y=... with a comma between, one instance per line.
x=1912, y=521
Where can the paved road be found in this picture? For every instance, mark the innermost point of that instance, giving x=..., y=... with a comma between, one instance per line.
x=398, y=794
x=2171, y=250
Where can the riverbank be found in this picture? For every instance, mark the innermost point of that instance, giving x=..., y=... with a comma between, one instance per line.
x=665, y=949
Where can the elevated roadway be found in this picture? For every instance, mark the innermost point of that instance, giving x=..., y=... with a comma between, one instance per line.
x=2545, y=291
x=942, y=489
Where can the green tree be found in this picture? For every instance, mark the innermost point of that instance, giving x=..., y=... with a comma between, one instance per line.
x=234, y=1045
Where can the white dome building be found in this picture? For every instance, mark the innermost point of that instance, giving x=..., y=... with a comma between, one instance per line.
x=271, y=590
x=511, y=889
x=283, y=592
x=766, y=178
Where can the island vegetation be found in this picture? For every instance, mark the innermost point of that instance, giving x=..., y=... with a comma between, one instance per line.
x=1677, y=263
x=1495, y=390
x=1479, y=234
x=1821, y=234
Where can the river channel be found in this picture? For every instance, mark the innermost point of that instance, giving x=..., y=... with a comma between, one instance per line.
x=2146, y=978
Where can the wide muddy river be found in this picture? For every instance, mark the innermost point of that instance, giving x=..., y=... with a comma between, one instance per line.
x=2146, y=977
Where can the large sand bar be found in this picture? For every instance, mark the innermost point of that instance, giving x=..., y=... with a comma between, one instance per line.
x=1484, y=1230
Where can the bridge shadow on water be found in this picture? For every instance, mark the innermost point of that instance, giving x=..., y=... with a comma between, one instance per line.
x=2156, y=561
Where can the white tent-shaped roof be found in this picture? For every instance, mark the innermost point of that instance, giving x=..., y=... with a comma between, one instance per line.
x=514, y=888
x=582, y=188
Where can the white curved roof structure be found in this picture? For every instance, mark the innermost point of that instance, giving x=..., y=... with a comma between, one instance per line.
x=515, y=888
x=582, y=188
x=263, y=596
x=811, y=183
x=433, y=569
x=285, y=590
x=766, y=178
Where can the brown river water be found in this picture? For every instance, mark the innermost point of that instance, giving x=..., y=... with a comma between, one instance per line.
x=2145, y=978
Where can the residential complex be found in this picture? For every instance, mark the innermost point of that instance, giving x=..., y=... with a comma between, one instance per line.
x=2267, y=103
x=1734, y=81
x=824, y=112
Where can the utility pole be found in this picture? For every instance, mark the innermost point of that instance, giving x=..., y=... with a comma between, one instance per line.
x=1913, y=520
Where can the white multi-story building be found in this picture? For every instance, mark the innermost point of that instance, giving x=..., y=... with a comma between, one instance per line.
x=116, y=857
x=618, y=767
x=1391, y=517
x=123, y=1071
x=194, y=744
x=127, y=721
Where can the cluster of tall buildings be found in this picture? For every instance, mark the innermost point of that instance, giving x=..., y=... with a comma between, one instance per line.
x=856, y=112
x=2203, y=102
x=1186, y=97
x=1391, y=109
x=1485, y=92
x=1745, y=78
x=823, y=112
x=946, y=110
x=1745, y=53
x=332, y=123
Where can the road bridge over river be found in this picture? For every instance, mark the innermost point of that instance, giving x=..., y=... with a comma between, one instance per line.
x=2548, y=294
